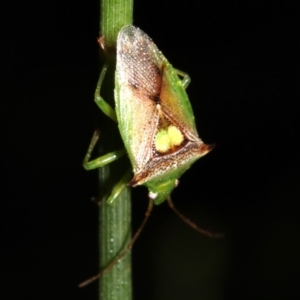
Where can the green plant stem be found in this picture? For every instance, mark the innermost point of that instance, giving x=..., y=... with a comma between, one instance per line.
x=114, y=220
x=114, y=15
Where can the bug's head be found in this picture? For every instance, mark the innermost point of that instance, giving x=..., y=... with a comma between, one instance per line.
x=160, y=192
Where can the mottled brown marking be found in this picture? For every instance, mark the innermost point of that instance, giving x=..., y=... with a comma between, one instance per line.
x=159, y=71
x=155, y=98
x=133, y=84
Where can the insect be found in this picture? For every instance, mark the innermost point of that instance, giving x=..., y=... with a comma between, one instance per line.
x=155, y=120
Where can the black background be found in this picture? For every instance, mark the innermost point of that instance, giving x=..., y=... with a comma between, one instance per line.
x=244, y=63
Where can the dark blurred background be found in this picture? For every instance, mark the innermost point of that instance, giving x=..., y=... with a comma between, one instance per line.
x=244, y=63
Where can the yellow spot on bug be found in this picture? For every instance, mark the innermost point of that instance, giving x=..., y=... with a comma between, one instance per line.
x=168, y=138
x=175, y=135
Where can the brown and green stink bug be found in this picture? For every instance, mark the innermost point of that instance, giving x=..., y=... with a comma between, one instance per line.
x=155, y=120
x=155, y=116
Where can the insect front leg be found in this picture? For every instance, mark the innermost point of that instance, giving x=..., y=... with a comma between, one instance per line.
x=102, y=104
x=110, y=112
x=102, y=160
x=186, y=79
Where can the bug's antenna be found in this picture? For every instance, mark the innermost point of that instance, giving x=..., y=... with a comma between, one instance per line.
x=192, y=224
x=128, y=247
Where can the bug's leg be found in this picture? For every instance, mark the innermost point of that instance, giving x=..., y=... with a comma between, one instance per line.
x=119, y=187
x=186, y=79
x=102, y=104
x=127, y=248
x=192, y=224
x=102, y=160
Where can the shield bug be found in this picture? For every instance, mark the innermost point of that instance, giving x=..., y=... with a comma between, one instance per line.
x=155, y=116
x=155, y=120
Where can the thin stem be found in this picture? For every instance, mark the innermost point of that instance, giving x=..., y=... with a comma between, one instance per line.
x=114, y=220
x=125, y=251
x=114, y=15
